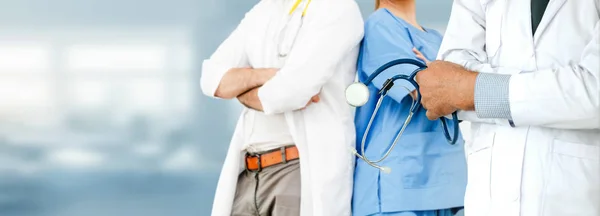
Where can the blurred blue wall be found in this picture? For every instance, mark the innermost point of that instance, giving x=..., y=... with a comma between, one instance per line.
x=100, y=107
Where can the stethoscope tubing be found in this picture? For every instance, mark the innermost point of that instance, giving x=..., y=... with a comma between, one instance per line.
x=414, y=108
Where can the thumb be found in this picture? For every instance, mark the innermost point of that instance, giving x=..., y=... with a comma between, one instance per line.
x=431, y=115
x=420, y=55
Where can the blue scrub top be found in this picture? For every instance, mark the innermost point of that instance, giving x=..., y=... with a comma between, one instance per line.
x=427, y=172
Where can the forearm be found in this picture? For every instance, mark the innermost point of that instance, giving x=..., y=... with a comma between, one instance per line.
x=250, y=100
x=563, y=98
x=496, y=98
x=328, y=46
x=239, y=80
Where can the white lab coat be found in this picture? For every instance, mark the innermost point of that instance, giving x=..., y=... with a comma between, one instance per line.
x=322, y=61
x=549, y=164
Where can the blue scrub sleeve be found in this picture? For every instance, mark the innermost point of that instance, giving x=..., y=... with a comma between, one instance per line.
x=381, y=45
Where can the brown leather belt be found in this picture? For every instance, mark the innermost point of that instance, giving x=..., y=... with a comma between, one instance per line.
x=257, y=162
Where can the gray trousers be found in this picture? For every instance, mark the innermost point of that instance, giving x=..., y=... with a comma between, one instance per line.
x=274, y=191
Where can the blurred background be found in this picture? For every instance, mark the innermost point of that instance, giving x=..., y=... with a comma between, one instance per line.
x=100, y=105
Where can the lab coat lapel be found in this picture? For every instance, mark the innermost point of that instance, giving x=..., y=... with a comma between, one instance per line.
x=551, y=10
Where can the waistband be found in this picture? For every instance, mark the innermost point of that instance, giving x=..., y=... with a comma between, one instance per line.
x=255, y=162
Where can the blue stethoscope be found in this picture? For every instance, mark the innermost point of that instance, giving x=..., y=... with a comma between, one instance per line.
x=357, y=94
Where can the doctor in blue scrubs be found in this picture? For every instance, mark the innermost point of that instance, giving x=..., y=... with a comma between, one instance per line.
x=428, y=175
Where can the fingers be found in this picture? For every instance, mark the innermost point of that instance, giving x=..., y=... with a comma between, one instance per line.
x=436, y=107
x=420, y=55
x=315, y=99
x=432, y=115
x=417, y=52
x=418, y=77
x=438, y=110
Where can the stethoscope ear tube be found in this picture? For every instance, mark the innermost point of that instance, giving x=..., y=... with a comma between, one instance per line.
x=390, y=64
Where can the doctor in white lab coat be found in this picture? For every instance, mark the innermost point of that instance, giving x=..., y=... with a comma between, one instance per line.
x=321, y=61
x=532, y=98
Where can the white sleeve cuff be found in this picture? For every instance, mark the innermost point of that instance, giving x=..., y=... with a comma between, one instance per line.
x=212, y=73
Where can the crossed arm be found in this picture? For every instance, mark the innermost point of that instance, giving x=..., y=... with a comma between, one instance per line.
x=243, y=84
x=238, y=81
x=295, y=84
x=227, y=73
x=250, y=99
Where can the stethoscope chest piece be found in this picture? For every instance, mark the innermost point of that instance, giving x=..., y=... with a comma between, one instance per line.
x=357, y=94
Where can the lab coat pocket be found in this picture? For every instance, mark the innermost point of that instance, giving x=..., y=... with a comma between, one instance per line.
x=572, y=185
x=479, y=159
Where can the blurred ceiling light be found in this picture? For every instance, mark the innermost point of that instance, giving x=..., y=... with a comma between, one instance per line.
x=23, y=58
x=116, y=57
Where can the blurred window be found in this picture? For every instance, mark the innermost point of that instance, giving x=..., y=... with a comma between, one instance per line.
x=23, y=57
x=100, y=75
x=115, y=58
x=132, y=76
x=26, y=94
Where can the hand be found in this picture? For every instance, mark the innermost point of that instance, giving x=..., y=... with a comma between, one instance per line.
x=250, y=99
x=446, y=87
x=420, y=55
x=314, y=99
